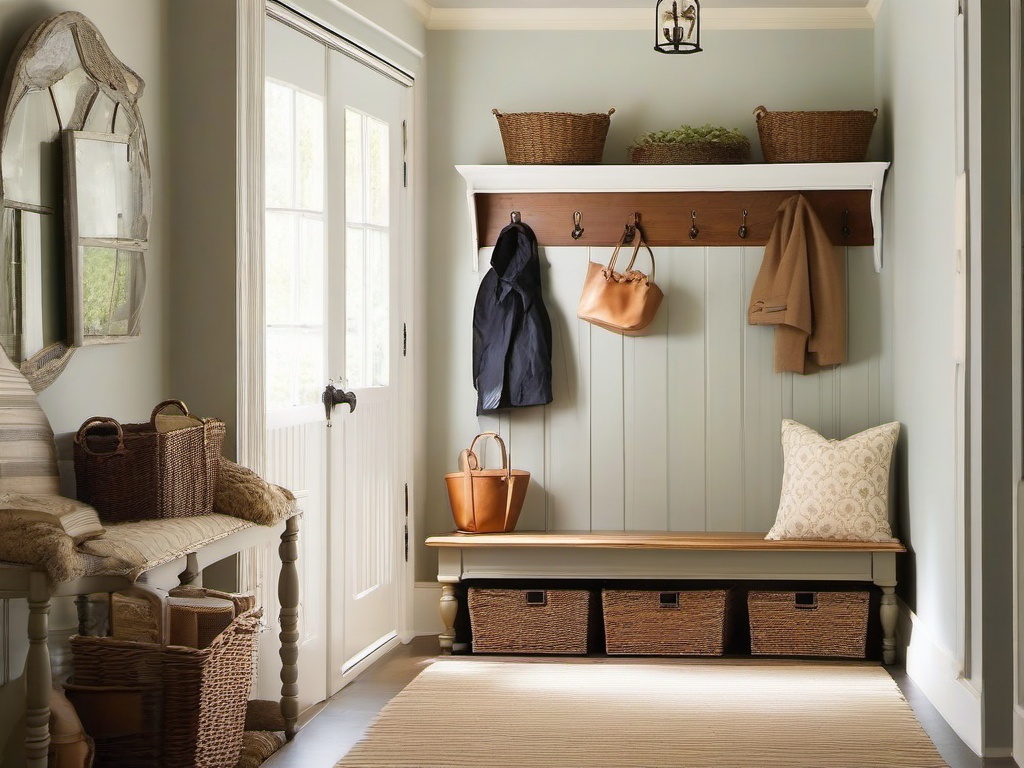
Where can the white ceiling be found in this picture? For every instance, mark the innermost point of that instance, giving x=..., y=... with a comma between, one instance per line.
x=513, y=4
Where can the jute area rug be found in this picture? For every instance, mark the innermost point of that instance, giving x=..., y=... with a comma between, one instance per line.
x=473, y=713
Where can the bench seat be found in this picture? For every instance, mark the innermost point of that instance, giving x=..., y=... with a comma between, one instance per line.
x=662, y=555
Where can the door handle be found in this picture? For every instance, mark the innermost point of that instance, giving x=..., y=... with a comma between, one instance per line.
x=332, y=396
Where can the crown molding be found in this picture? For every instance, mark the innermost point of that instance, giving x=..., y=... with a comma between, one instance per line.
x=874, y=7
x=421, y=8
x=618, y=19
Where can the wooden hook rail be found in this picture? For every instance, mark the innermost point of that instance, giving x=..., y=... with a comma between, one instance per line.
x=694, y=205
x=696, y=219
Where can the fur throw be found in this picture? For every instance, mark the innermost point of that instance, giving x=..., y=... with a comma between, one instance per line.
x=244, y=494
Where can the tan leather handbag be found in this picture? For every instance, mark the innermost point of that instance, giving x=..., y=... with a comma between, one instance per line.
x=623, y=302
x=486, y=500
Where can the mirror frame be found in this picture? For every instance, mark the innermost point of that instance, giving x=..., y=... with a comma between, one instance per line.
x=36, y=65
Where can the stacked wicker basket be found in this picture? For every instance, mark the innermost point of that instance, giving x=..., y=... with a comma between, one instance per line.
x=157, y=705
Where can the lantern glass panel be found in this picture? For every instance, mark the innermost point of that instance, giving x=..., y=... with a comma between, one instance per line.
x=678, y=26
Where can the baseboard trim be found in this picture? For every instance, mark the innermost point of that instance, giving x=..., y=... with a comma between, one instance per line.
x=426, y=596
x=1017, y=753
x=939, y=676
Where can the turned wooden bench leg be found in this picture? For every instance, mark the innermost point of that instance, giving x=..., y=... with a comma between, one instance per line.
x=889, y=614
x=883, y=567
x=288, y=597
x=449, y=609
x=38, y=676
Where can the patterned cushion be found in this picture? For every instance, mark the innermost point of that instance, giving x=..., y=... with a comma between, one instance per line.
x=28, y=457
x=835, y=489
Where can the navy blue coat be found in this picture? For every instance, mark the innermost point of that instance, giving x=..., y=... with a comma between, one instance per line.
x=511, y=327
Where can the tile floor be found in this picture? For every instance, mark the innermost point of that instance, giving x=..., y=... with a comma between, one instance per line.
x=339, y=724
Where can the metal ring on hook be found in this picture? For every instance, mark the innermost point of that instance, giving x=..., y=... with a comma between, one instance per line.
x=693, y=229
x=743, y=227
x=846, y=224
x=516, y=217
x=577, y=230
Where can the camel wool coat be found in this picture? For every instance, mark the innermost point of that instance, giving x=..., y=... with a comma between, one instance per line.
x=800, y=289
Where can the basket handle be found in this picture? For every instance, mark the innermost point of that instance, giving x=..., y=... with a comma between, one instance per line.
x=760, y=111
x=83, y=433
x=611, y=111
x=160, y=407
x=496, y=113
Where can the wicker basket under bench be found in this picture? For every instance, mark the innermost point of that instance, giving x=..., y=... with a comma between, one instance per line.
x=702, y=556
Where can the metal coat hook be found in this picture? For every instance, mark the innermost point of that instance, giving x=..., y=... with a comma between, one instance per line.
x=577, y=230
x=693, y=229
x=743, y=232
x=631, y=227
x=515, y=217
x=846, y=224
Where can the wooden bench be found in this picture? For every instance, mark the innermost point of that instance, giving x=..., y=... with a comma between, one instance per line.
x=661, y=555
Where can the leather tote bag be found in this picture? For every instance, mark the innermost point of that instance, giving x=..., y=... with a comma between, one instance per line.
x=623, y=302
x=486, y=500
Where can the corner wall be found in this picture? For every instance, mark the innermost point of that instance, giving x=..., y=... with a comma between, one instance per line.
x=954, y=457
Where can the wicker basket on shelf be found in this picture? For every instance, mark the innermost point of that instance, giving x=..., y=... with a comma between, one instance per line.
x=815, y=137
x=690, y=153
x=553, y=138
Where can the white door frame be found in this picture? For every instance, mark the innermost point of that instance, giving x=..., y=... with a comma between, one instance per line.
x=250, y=239
x=1017, y=419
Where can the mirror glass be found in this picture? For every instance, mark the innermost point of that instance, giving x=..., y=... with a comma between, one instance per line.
x=107, y=231
x=70, y=114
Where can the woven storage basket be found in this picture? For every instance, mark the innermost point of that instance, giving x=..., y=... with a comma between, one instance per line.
x=529, y=620
x=696, y=153
x=814, y=137
x=117, y=690
x=164, y=706
x=648, y=623
x=135, y=472
x=808, y=623
x=205, y=695
x=553, y=138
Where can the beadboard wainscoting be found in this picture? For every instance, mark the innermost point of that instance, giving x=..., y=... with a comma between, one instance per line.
x=679, y=430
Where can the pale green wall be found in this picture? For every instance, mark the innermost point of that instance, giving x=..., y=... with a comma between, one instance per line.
x=918, y=129
x=203, y=342
x=473, y=72
x=122, y=380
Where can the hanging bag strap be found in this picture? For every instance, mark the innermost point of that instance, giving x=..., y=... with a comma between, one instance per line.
x=641, y=241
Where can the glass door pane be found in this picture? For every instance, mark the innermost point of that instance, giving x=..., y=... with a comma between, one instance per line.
x=368, y=251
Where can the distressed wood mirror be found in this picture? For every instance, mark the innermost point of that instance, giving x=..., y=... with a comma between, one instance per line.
x=76, y=197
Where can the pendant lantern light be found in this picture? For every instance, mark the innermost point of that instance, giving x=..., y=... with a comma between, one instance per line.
x=677, y=27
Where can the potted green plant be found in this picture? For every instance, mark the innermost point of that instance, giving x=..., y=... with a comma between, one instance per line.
x=687, y=145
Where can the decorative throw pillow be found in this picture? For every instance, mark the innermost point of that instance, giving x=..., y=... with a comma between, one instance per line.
x=75, y=518
x=244, y=494
x=835, y=489
x=28, y=456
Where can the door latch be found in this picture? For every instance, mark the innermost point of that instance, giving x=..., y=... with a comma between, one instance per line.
x=332, y=396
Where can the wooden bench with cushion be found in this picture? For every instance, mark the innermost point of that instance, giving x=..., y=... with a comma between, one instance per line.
x=662, y=555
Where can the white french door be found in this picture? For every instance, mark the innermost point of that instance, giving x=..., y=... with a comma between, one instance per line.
x=366, y=147
x=335, y=233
